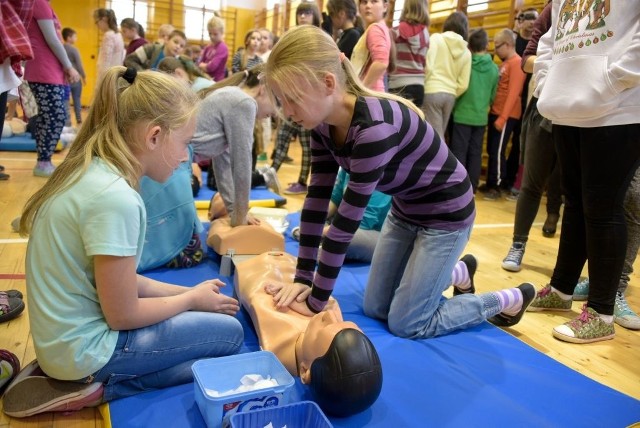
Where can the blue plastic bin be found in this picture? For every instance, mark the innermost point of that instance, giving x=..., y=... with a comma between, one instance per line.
x=224, y=373
x=304, y=414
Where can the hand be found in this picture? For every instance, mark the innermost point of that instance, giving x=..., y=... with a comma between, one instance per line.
x=72, y=75
x=217, y=208
x=253, y=220
x=297, y=304
x=207, y=298
x=203, y=66
x=498, y=124
x=289, y=293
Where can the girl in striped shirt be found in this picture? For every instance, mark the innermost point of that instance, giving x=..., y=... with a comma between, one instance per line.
x=384, y=143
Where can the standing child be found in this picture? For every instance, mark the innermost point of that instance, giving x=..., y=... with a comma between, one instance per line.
x=471, y=109
x=70, y=37
x=447, y=71
x=214, y=57
x=504, y=115
x=149, y=56
x=411, y=38
x=344, y=18
x=247, y=57
x=134, y=33
x=373, y=56
x=100, y=331
x=384, y=143
x=224, y=133
x=112, y=46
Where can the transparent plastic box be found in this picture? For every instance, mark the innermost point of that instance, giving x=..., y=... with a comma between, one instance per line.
x=304, y=414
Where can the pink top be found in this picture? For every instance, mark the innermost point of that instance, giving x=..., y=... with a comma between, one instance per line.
x=45, y=67
x=379, y=45
x=216, y=58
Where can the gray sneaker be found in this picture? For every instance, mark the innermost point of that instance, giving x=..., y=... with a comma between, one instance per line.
x=271, y=180
x=624, y=316
x=513, y=261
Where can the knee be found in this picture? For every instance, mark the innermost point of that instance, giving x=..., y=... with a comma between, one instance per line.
x=401, y=328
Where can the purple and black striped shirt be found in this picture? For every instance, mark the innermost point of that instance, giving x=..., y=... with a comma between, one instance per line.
x=388, y=148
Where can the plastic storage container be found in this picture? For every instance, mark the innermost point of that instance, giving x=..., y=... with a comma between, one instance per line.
x=224, y=374
x=304, y=414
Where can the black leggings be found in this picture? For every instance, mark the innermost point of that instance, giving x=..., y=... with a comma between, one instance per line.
x=597, y=165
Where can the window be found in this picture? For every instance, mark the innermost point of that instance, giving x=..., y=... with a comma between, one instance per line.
x=477, y=5
x=196, y=15
x=399, y=5
x=138, y=10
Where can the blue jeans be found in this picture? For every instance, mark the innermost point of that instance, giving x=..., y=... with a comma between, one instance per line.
x=411, y=267
x=161, y=355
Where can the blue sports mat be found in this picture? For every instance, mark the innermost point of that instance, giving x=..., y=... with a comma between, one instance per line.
x=22, y=143
x=480, y=377
x=257, y=193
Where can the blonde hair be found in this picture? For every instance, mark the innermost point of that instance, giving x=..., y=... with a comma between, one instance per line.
x=250, y=78
x=111, y=130
x=308, y=53
x=215, y=23
x=170, y=64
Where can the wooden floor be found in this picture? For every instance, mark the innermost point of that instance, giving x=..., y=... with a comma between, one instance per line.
x=613, y=363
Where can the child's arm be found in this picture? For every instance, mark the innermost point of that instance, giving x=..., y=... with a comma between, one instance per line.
x=50, y=35
x=379, y=51
x=129, y=301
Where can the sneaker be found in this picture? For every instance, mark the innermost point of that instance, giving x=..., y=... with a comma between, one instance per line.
x=262, y=157
x=4, y=176
x=624, y=315
x=296, y=189
x=472, y=265
x=9, y=368
x=271, y=180
x=43, y=169
x=586, y=328
x=10, y=307
x=69, y=130
x=33, y=392
x=513, y=261
x=484, y=188
x=548, y=300
x=295, y=233
x=15, y=224
x=505, y=320
x=512, y=195
x=491, y=195
x=581, y=292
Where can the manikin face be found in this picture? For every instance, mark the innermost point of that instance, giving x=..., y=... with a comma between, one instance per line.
x=372, y=11
x=215, y=35
x=174, y=46
x=308, y=106
x=167, y=150
x=317, y=338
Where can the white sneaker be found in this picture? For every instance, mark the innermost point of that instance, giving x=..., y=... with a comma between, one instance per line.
x=271, y=180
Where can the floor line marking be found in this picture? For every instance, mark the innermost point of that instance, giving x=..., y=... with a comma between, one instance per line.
x=12, y=276
x=14, y=241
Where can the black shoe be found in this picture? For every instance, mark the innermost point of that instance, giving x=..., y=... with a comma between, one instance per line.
x=4, y=176
x=549, y=226
x=472, y=265
x=504, y=320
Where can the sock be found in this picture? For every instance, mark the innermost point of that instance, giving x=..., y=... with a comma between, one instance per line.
x=606, y=318
x=460, y=276
x=510, y=300
x=562, y=295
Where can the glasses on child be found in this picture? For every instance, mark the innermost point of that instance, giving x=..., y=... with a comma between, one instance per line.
x=304, y=12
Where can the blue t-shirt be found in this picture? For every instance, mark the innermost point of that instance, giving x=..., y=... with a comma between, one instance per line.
x=100, y=214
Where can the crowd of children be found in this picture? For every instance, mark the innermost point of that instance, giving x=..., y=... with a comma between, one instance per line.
x=387, y=180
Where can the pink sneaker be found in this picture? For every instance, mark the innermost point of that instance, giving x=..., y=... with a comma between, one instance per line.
x=32, y=392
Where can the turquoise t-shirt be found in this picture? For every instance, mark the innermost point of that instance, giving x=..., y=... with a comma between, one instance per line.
x=98, y=215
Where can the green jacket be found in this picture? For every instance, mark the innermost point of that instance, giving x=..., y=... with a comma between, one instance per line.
x=472, y=107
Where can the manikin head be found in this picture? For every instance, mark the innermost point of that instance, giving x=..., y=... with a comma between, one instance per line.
x=339, y=363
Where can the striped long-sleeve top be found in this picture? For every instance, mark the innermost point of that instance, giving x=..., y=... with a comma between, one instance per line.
x=388, y=148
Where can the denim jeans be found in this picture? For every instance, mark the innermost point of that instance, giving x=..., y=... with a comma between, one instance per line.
x=597, y=166
x=161, y=355
x=411, y=267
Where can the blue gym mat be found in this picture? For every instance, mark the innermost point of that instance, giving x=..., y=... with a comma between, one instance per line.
x=260, y=193
x=478, y=377
x=22, y=143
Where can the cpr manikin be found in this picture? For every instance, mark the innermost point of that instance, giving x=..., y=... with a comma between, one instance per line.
x=331, y=355
x=254, y=238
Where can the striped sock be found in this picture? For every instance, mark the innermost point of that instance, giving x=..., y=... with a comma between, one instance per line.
x=510, y=300
x=460, y=276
